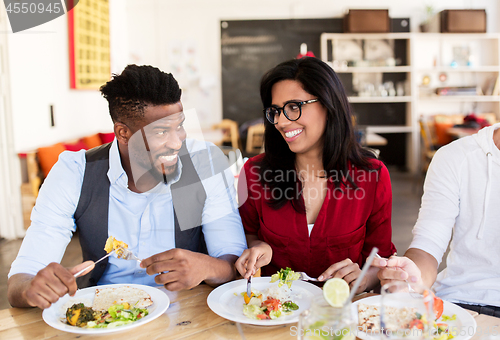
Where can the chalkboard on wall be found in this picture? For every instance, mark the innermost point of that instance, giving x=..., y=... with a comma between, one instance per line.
x=249, y=48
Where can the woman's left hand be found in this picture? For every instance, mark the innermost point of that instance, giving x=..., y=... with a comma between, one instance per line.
x=346, y=270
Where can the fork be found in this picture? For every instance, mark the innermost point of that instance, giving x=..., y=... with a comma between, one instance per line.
x=121, y=252
x=96, y=262
x=304, y=277
x=124, y=253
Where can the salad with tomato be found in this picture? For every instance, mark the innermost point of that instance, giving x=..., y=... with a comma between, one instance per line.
x=273, y=303
x=441, y=330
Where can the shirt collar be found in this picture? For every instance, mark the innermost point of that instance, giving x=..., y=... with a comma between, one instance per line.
x=117, y=174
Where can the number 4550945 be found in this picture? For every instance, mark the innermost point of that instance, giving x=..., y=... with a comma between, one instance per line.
x=25, y=7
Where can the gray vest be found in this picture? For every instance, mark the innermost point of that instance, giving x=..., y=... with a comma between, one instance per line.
x=91, y=214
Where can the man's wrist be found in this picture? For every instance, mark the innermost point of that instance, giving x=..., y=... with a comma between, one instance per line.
x=220, y=270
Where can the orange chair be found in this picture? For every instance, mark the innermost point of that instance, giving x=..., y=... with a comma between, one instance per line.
x=442, y=123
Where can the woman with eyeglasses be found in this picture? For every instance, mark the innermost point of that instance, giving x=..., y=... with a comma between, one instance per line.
x=315, y=201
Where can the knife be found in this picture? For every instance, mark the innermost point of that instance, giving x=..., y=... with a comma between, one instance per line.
x=249, y=287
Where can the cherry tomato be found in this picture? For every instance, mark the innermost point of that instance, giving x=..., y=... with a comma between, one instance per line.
x=417, y=323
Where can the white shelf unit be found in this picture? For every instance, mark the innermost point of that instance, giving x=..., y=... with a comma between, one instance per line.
x=461, y=69
x=429, y=55
x=388, y=129
x=452, y=60
x=461, y=99
x=373, y=69
x=391, y=99
x=366, y=54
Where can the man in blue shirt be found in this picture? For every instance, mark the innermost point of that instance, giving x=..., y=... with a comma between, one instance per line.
x=169, y=198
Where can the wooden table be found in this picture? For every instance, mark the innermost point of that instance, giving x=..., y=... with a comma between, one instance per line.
x=459, y=132
x=188, y=317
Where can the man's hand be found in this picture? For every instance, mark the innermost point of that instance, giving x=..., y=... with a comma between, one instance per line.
x=397, y=268
x=254, y=258
x=179, y=269
x=46, y=287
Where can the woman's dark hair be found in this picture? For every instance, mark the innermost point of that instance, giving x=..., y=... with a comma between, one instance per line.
x=340, y=145
x=137, y=87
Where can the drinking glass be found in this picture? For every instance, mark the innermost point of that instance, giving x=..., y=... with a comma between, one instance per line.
x=406, y=311
x=325, y=322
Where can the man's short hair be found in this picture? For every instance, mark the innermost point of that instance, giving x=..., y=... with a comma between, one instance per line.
x=136, y=88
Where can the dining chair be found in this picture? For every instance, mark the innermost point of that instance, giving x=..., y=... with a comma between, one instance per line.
x=255, y=139
x=231, y=132
x=428, y=142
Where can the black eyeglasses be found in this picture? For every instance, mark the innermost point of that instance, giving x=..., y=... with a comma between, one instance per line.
x=292, y=110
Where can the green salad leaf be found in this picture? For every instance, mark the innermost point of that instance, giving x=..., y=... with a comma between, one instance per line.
x=285, y=276
x=119, y=316
x=289, y=306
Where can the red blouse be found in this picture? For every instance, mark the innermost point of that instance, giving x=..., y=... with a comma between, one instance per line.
x=349, y=224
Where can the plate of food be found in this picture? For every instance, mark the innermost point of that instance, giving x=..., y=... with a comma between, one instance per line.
x=453, y=322
x=107, y=309
x=274, y=300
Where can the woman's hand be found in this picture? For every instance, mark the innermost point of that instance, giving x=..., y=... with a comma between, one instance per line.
x=258, y=255
x=348, y=271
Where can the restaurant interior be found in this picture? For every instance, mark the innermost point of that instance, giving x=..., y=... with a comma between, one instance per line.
x=416, y=80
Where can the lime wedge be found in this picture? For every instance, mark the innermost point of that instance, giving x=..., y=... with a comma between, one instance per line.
x=336, y=292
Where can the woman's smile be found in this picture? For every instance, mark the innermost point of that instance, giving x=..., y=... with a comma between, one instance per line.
x=292, y=135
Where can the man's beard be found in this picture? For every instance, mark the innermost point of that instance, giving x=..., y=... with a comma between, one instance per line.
x=147, y=174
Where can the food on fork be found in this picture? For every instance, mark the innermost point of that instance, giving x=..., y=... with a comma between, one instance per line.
x=285, y=276
x=114, y=244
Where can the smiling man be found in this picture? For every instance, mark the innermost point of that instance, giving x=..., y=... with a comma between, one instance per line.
x=171, y=199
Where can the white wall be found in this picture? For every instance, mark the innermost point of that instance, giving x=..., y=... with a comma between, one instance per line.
x=39, y=70
x=142, y=32
x=156, y=24
x=11, y=221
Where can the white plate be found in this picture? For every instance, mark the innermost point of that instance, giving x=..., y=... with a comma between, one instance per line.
x=464, y=325
x=224, y=302
x=55, y=316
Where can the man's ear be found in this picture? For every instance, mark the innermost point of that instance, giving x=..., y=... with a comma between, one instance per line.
x=122, y=133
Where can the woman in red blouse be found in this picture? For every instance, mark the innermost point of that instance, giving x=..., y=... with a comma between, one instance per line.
x=315, y=201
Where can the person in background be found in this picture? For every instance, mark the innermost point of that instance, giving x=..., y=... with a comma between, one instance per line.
x=461, y=197
x=166, y=196
x=315, y=201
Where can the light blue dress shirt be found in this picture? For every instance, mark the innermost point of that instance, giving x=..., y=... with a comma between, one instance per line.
x=144, y=221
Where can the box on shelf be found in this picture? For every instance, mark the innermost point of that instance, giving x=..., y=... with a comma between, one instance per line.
x=367, y=21
x=463, y=21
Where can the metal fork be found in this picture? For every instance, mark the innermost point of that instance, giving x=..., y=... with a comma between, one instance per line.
x=124, y=253
x=96, y=262
x=121, y=252
x=304, y=277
